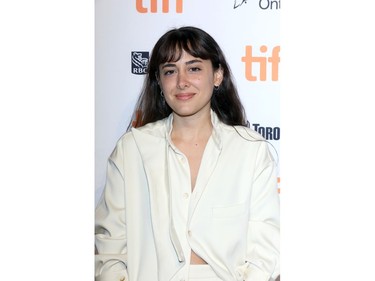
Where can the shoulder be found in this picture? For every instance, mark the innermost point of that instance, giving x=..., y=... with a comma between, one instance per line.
x=246, y=140
x=241, y=133
x=156, y=129
x=147, y=135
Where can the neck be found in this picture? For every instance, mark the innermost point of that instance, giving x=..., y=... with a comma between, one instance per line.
x=192, y=127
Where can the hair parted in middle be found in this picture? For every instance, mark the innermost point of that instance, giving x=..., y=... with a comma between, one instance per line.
x=225, y=101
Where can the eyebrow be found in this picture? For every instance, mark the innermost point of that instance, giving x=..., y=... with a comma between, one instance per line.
x=186, y=63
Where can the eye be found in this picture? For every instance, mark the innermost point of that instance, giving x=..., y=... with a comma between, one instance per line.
x=168, y=72
x=195, y=69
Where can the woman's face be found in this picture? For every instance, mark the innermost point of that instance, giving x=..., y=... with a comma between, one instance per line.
x=188, y=83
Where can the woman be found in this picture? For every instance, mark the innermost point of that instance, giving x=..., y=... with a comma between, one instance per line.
x=191, y=192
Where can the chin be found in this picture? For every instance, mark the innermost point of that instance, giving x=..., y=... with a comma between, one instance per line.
x=184, y=113
x=187, y=111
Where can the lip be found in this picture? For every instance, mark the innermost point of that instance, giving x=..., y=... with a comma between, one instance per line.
x=184, y=96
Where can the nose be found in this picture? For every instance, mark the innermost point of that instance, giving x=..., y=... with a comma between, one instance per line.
x=182, y=81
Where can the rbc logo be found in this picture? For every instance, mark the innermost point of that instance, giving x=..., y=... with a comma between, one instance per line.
x=139, y=62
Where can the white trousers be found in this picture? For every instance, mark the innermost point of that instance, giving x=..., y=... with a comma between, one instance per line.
x=202, y=272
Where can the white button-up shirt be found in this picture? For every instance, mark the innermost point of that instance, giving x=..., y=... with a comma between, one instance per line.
x=148, y=220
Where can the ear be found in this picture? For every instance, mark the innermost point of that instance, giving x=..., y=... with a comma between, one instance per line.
x=218, y=76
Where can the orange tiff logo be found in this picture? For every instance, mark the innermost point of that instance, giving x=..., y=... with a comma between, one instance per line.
x=153, y=6
x=249, y=59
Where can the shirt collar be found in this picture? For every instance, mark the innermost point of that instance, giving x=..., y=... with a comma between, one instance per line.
x=216, y=130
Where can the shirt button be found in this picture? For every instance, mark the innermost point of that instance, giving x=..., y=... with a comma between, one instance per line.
x=189, y=233
x=186, y=195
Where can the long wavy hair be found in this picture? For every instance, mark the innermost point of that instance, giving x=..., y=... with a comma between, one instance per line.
x=225, y=101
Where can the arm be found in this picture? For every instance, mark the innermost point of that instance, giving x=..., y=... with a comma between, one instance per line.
x=262, y=262
x=110, y=225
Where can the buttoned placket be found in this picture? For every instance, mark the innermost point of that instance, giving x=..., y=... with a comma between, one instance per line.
x=184, y=201
x=178, y=173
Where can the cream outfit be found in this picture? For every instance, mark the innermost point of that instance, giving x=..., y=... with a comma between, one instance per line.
x=148, y=220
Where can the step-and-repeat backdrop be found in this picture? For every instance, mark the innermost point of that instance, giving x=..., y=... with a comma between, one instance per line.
x=126, y=30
